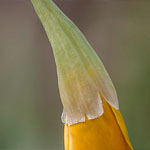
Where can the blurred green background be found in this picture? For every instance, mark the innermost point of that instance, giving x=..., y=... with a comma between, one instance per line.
x=30, y=106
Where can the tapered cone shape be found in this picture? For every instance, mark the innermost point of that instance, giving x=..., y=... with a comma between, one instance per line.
x=91, y=110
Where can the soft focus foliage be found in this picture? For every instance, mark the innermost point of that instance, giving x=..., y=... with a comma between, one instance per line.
x=30, y=108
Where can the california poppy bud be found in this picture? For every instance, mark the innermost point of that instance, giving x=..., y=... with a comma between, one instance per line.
x=91, y=110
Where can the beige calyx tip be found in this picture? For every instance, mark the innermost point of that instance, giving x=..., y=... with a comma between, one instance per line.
x=72, y=121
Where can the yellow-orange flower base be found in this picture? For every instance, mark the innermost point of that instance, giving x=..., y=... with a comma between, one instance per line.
x=108, y=132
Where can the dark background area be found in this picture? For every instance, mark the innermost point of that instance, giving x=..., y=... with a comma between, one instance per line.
x=30, y=106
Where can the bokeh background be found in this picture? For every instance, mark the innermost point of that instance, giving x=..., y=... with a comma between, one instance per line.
x=30, y=106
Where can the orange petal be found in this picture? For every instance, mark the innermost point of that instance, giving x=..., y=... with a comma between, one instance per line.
x=107, y=132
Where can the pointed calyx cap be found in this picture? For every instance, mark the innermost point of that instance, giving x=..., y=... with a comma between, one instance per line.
x=81, y=74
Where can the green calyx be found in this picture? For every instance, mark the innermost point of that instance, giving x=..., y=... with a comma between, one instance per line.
x=81, y=74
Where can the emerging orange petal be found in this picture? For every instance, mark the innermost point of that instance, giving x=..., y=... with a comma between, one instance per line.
x=108, y=132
